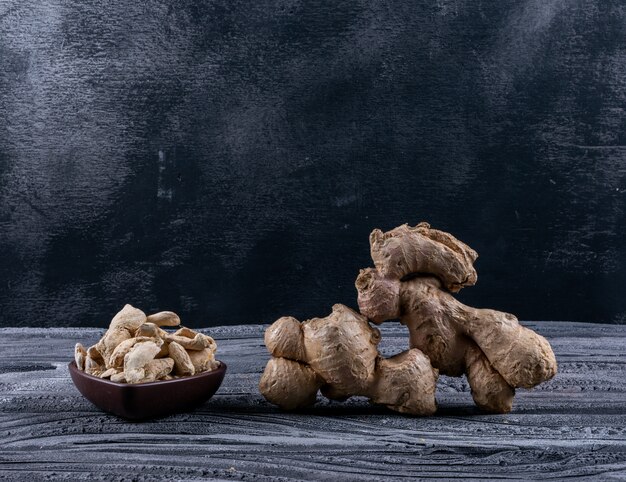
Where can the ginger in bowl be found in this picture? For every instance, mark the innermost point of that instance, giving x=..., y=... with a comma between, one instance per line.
x=139, y=370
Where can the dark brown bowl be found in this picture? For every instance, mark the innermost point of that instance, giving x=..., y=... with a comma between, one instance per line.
x=148, y=400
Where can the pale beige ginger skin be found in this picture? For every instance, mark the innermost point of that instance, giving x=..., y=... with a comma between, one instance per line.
x=80, y=354
x=110, y=372
x=198, y=342
x=182, y=362
x=164, y=318
x=135, y=349
x=185, y=337
x=284, y=338
x=122, y=327
x=137, y=358
x=289, y=384
x=93, y=367
x=150, y=330
x=397, y=377
x=119, y=377
x=338, y=355
x=157, y=369
x=116, y=360
x=490, y=347
x=406, y=250
x=203, y=360
x=184, y=331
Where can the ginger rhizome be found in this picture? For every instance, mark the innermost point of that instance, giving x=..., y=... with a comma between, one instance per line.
x=416, y=268
x=415, y=271
x=135, y=349
x=338, y=355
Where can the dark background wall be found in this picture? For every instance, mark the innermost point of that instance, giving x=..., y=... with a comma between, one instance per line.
x=228, y=159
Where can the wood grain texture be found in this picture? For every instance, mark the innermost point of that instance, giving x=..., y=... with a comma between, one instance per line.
x=227, y=159
x=571, y=427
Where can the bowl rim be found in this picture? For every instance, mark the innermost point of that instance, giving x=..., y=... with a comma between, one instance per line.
x=220, y=370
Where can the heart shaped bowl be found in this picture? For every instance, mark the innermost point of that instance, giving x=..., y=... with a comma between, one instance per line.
x=143, y=401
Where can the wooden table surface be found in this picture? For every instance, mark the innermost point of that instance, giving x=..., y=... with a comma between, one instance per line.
x=573, y=426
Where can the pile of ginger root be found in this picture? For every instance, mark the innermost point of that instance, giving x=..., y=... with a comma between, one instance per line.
x=136, y=349
x=416, y=270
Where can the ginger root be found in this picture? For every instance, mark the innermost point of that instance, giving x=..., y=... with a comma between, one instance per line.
x=135, y=349
x=122, y=327
x=404, y=251
x=137, y=358
x=203, y=360
x=338, y=355
x=182, y=363
x=164, y=318
x=415, y=271
x=80, y=354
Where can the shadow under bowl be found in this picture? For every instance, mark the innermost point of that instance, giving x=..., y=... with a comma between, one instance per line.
x=142, y=401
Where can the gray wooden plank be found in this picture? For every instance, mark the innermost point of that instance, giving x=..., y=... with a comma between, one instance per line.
x=573, y=426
